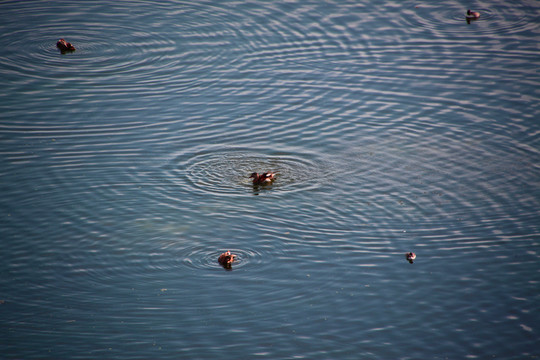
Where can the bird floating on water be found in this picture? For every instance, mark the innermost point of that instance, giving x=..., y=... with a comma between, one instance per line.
x=472, y=15
x=226, y=259
x=64, y=46
x=263, y=179
x=410, y=256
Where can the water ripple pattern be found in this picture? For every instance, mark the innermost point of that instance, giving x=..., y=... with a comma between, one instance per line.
x=499, y=19
x=204, y=259
x=225, y=170
x=393, y=126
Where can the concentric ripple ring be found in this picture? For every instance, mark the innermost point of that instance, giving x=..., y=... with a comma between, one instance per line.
x=225, y=170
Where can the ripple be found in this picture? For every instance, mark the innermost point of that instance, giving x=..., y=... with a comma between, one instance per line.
x=203, y=258
x=502, y=18
x=127, y=48
x=95, y=55
x=226, y=170
x=364, y=116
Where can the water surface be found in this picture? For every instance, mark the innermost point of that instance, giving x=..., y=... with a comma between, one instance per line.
x=393, y=127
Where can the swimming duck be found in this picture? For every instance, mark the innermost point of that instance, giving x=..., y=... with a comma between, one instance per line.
x=226, y=259
x=410, y=256
x=263, y=179
x=64, y=46
x=472, y=15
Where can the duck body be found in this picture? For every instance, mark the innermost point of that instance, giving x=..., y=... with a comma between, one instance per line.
x=65, y=46
x=410, y=256
x=226, y=259
x=472, y=15
x=262, y=179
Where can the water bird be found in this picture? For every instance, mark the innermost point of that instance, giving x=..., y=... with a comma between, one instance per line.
x=410, y=256
x=472, y=15
x=226, y=259
x=263, y=179
x=64, y=46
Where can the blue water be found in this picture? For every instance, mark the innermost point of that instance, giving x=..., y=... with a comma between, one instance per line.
x=393, y=126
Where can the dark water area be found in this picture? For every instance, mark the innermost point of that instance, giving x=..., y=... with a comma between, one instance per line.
x=393, y=126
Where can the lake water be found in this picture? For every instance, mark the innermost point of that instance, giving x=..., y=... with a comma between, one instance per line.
x=393, y=126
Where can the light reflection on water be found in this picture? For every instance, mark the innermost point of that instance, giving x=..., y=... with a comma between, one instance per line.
x=393, y=127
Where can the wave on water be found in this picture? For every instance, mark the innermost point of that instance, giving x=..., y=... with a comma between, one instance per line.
x=203, y=258
x=126, y=49
x=497, y=19
x=225, y=170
